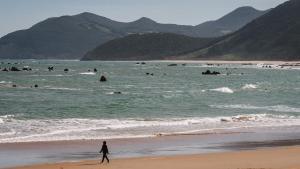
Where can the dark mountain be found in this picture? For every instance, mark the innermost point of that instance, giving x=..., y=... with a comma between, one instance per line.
x=66, y=37
x=225, y=25
x=274, y=36
x=150, y=46
x=230, y=22
x=146, y=25
x=70, y=37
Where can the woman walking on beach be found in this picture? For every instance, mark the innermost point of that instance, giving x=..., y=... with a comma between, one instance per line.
x=104, y=150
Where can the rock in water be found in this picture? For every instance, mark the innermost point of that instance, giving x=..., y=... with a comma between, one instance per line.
x=50, y=68
x=103, y=79
x=27, y=69
x=208, y=72
x=14, y=69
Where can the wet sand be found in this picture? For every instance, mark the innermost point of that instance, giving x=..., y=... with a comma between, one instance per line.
x=271, y=158
x=24, y=154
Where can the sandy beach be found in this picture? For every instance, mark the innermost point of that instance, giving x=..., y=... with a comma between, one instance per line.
x=271, y=158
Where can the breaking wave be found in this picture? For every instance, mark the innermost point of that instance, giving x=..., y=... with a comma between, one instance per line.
x=62, y=88
x=5, y=82
x=88, y=73
x=223, y=90
x=17, y=130
x=249, y=86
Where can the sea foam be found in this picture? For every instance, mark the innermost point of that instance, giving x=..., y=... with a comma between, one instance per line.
x=5, y=82
x=87, y=73
x=223, y=90
x=249, y=86
x=62, y=88
x=17, y=130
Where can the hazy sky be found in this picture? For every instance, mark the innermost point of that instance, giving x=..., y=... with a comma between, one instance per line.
x=22, y=14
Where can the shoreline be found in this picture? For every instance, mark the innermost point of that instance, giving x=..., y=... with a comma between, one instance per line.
x=230, y=62
x=267, y=158
x=35, y=153
x=154, y=136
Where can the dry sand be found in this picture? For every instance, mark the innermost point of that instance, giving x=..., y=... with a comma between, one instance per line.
x=272, y=158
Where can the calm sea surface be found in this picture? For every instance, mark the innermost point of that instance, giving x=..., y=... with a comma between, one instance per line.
x=175, y=100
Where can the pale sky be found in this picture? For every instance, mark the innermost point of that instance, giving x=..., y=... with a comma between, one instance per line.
x=22, y=14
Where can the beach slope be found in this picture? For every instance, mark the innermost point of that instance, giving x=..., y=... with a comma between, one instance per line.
x=272, y=158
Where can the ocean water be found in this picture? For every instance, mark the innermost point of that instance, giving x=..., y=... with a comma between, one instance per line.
x=175, y=100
